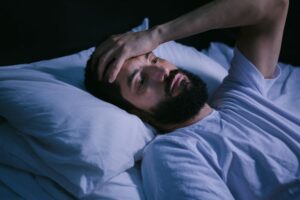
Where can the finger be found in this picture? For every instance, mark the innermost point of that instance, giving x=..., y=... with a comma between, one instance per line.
x=107, y=44
x=103, y=62
x=114, y=69
x=102, y=48
x=95, y=59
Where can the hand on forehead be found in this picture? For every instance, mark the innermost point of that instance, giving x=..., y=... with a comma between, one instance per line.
x=110, y=55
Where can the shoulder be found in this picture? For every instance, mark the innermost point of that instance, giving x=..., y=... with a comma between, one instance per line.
x=245, y=79
x=242, y=70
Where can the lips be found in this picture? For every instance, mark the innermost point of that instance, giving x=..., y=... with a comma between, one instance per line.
x=176, y=82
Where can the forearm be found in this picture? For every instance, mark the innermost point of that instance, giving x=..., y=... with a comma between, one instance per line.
x=214, y=15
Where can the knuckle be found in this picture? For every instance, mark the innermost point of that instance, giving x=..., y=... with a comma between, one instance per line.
x=124, y=50
x=114, y=38
x=119, y=43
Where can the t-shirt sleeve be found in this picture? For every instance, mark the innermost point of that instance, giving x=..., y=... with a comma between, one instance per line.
x=244, y=73
x=175, y=169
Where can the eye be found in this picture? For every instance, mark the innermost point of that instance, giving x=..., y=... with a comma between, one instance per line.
x=141, y=83
x=154, y=60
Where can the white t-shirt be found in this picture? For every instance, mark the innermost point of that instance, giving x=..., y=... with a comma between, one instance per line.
x=247, y=148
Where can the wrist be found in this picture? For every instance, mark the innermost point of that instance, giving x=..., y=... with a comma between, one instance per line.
x=157, y=34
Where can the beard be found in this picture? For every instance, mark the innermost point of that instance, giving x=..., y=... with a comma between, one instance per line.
x=184, y=106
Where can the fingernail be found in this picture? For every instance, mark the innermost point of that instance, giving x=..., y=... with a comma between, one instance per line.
x=110, y=80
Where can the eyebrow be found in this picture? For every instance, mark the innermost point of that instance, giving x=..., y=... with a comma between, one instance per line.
x=130, y=78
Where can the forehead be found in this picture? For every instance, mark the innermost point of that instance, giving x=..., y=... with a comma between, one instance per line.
x=139, y=63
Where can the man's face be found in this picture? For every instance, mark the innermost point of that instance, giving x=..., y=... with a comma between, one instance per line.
x=158, y=87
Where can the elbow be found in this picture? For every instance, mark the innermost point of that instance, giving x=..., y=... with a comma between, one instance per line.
x=277, y=5
x=270, y=9
x=282, y=5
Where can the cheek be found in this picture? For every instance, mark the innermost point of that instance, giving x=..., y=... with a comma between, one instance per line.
x=172, y=67
x=153, y=97
x=154, y=94
x=148, y=100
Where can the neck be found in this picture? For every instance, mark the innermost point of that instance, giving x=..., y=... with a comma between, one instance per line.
x=204, y=112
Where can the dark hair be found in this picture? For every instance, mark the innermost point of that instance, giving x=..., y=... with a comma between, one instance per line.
x=109, y=92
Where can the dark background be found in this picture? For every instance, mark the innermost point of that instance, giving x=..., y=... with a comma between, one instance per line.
x=33, y=30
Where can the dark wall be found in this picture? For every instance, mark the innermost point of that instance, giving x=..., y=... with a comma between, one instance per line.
x=290, y=51
x=40, y=29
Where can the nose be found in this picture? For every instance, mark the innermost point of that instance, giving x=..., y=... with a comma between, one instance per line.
x=158, y=73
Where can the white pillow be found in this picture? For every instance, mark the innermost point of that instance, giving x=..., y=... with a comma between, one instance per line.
x=26, y=167
x=85, y=140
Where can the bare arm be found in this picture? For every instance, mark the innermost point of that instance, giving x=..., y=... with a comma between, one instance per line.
x=261, y=35
x=255, y=15
x=261, y=43
x=214, y=15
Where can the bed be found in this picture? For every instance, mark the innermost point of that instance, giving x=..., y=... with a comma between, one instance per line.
x=59, y=142
x=56, y=133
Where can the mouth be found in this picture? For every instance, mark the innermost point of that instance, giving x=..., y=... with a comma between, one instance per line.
x=177, y=82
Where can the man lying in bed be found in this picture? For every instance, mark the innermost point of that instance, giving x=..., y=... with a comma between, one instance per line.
x=247, y=145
